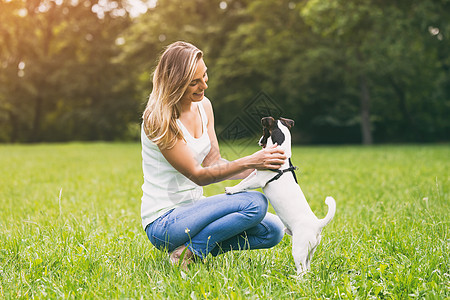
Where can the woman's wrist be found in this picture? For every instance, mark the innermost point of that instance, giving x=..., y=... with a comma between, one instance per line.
x=245, y=162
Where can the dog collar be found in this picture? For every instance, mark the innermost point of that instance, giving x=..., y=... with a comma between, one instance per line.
x=291, y=168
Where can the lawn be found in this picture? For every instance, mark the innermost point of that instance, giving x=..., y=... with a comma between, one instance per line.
x=70, y=228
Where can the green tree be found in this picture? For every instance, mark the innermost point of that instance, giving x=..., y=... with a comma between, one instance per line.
x=275, y=51
x=346, y=71
x=59, y=79
x=384, y=45
x=331, y=67
x=203, y=23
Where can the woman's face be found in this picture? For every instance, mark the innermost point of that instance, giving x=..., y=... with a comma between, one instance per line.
x=197, y=86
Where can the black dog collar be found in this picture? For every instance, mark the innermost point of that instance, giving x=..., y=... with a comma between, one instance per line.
x=291, y=168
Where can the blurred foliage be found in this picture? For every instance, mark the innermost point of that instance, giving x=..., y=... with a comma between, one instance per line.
x=59, y=80
x=345, y=71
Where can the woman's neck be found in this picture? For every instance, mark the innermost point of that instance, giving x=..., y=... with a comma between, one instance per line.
x=186, y=106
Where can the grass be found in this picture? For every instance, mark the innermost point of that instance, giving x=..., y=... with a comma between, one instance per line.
x=70, y=228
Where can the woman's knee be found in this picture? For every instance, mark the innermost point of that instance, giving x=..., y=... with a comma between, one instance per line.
x=259, y=200
x=275, y=229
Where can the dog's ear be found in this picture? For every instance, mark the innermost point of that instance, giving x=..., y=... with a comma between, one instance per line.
x=263, y=140
x=267, y=122
x=287, y=122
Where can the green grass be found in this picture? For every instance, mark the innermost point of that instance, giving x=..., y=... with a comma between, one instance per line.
x=70, y=228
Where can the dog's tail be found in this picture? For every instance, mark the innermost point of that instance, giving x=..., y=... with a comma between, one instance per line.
x=331, y=211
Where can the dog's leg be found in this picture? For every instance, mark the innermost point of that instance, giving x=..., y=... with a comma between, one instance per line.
x=253, y=181
x=303, y=248
x=312, y=251
x=300, y=254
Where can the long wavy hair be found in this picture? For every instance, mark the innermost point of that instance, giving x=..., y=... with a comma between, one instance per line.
x=175, y=70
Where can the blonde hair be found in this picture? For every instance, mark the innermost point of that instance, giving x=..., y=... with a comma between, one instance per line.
x=175, y=70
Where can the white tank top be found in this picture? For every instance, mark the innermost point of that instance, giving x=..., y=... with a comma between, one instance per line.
x=164, y=187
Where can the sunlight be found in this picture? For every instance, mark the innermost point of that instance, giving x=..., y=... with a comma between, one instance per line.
x=134, y=7
x=21, y=65
x=223, y=5
x=120, y=41
x=23, y=12
x=138, y=7
x=433, y=30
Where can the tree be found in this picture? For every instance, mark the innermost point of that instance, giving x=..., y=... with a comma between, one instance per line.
x=383, y=43
x=206, y=24
x=351, y=26
x=346, y=71
x=331, y=65
x=60, y=79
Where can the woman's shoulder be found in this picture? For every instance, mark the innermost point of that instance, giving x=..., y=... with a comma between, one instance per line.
x=207, y=106
x=206, y=102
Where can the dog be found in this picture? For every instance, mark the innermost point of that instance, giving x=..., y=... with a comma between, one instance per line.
x=286, y=196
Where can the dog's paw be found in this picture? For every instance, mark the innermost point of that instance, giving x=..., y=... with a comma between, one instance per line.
x=229, y=190
x=299, y=277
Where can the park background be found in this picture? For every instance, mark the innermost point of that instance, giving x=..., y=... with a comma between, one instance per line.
x=348, y=72
x=345, y=71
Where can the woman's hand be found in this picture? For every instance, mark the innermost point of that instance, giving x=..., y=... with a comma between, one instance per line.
x=267, y=158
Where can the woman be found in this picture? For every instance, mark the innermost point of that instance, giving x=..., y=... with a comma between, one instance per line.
x=180, y=154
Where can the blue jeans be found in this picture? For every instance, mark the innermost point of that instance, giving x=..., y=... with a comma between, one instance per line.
x=218, y=224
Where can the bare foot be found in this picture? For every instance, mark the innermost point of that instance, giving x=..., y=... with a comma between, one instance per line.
x=181, y=253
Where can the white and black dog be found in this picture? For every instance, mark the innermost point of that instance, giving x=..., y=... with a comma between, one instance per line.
x=286, y=196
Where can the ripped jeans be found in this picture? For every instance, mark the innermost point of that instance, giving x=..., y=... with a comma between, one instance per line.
x=218, y=224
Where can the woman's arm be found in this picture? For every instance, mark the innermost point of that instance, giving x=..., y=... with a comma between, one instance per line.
x=241, y=175
x=182, y=159
x=214, y=168
x=213, y=156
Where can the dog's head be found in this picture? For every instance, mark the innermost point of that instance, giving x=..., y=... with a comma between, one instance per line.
x=276, y=131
